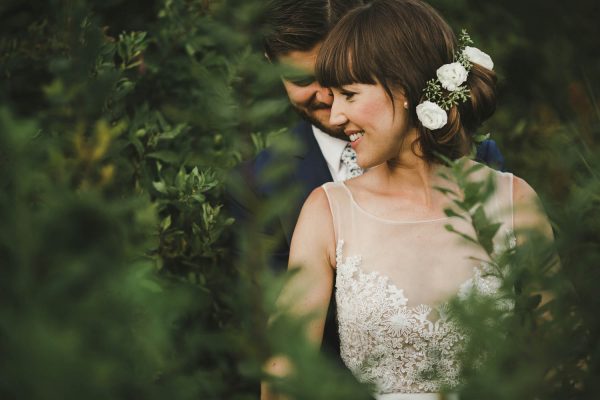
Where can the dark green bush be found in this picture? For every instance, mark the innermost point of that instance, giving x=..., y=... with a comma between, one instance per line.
x=119, y=123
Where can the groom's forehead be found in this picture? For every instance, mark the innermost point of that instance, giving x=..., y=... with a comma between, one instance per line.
x=301, y=60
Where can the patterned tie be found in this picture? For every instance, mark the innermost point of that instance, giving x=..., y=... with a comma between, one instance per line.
x=349, y=160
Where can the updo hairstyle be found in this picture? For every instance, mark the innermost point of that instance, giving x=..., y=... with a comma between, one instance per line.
x=401, y=44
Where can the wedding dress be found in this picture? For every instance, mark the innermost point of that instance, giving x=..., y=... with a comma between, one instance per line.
x=393, y=281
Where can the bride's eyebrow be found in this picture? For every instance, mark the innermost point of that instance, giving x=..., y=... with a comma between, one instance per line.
x=349, y=87
x=345, y=89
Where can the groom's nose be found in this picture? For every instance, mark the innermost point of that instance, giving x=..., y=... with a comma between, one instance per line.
x=324, y=95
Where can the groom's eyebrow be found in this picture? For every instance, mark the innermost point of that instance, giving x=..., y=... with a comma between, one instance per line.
x=303, y=80
x=298, y=77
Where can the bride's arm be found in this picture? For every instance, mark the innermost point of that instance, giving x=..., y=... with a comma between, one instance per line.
x=312, y=257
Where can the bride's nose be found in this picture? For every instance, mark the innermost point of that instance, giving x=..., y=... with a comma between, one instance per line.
x=337, y=117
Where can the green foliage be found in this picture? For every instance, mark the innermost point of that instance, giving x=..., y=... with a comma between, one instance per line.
x=543, y=344
x=464, y=40
x=469, y=203
x=119, y=124
x=445, y=99
x=433, y=90
x=117, y=276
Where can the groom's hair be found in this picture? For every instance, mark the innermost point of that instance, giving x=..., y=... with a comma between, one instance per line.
x=299, y=25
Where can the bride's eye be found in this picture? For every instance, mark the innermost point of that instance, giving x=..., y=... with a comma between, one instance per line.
x=347, y=94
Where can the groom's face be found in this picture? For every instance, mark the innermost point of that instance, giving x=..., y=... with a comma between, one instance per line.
x=310, y=99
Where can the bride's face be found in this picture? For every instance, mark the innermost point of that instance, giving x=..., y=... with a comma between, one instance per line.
x=374, y=124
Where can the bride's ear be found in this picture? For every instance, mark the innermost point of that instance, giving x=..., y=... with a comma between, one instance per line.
x=400, y=96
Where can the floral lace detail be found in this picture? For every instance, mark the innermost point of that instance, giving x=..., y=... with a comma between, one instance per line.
x=387, y=343
x=487, y=280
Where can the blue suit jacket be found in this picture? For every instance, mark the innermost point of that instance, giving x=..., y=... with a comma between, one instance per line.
x=309, y=172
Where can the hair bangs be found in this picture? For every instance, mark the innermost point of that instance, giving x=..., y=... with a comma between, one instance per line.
x=346, y=57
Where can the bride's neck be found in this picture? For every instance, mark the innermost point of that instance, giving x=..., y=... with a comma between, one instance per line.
x=410, y=168
x=411, y=176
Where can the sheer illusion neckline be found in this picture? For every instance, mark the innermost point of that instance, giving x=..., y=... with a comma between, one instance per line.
x=385, y=220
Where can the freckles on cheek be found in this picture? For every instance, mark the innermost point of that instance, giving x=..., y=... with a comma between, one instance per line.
x=370, y=109
x=376, y=110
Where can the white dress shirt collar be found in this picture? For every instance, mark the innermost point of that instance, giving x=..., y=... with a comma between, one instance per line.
x=332, y=149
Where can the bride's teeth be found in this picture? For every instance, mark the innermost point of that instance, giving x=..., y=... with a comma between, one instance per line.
x=356, y=136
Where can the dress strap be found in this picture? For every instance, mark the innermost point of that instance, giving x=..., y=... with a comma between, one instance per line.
x=340, y=205
x=500, y=208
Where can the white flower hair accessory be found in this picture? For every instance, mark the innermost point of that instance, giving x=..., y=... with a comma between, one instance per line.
x=432, y=112
x=451, y=76
x=477, y=56
x=431, y=115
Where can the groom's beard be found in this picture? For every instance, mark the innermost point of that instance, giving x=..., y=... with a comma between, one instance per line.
x=305, y=113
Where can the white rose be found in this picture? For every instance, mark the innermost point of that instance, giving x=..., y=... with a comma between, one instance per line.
x=431, y=115
x=451, y=76
x=477, y=56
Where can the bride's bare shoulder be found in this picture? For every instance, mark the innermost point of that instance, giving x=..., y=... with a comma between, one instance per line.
x=316, y=213
x=314, y=232
x=317, y=201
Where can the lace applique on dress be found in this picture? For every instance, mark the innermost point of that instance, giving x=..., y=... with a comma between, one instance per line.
x=487, y=279
x=387, y=343
x=404, y=345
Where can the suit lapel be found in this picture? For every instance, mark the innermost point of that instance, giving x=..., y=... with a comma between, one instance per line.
x=311, y=172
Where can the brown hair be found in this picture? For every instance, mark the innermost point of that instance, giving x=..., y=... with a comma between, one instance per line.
x=401, y=44
x=299, y=25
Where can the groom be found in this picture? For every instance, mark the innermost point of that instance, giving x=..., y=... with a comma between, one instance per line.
x=296, y=30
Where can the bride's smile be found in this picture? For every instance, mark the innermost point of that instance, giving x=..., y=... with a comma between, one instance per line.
x=375, y=125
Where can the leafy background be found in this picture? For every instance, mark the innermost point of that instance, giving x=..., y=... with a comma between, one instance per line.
x=120, y=122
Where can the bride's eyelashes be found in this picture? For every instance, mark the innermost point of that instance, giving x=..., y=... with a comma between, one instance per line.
x=348, y=95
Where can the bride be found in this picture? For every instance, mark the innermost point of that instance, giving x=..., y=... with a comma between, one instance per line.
x=409, y=95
